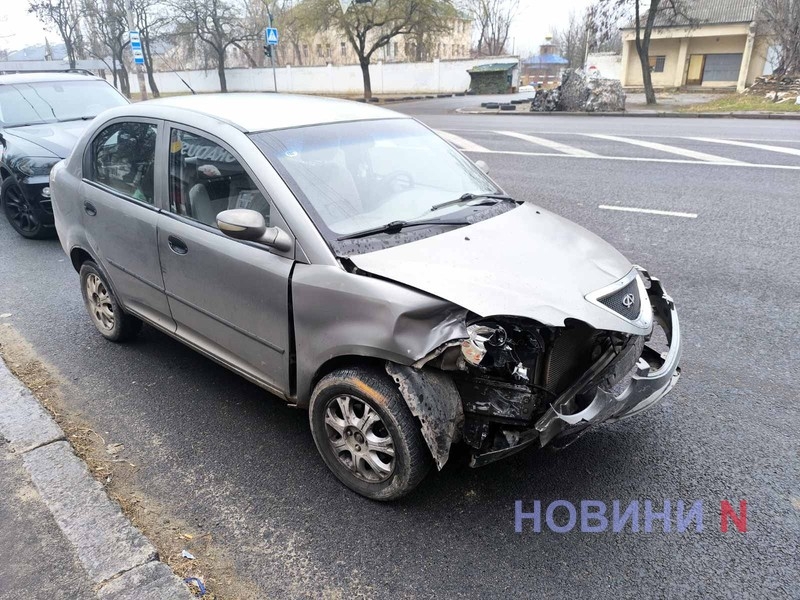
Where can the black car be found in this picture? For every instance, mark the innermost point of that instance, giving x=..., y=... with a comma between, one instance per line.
x=42, y=115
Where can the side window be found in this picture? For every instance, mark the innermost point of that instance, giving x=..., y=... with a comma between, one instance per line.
x=123, y=155
x=205, y=179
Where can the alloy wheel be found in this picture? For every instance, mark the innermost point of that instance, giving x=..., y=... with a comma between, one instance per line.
x=99, y=300
x=19, y=211
x=359, y=438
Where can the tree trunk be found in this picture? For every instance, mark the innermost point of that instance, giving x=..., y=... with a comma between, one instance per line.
x=365, y=75
x=647, y=81
x=124, y=82
x=223, y=83
x=148, y=65
x=70, y=53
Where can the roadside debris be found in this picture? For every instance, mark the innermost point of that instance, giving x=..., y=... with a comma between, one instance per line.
x=195, y=581
x=582, y=93
x=187, y=554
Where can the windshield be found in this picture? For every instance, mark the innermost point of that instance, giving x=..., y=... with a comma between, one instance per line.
x=51, y=101
x=356, y=176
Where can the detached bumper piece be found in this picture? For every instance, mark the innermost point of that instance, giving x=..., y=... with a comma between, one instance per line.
x=621, y=383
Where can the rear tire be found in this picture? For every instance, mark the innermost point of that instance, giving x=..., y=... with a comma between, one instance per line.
x=107, y=315
x=367, y=435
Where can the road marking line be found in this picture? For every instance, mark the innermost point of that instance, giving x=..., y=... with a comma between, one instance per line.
x=571, y=150
x=675, y=161
x=792, y=151
x=460, y=142
x=649, y=211
x=664, y=148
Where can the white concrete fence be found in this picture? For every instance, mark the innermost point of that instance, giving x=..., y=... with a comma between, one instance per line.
x=437, y=77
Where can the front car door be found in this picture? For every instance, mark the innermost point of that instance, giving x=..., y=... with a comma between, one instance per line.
x=120, y=203
x=228, y=297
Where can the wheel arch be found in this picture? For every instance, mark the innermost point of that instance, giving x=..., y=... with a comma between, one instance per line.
x=334, y=364
x=78, y=256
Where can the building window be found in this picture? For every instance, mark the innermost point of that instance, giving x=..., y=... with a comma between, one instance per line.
x=394, y=50
x=657, y=63
x=343, y=47
x=319, y=50
x=305, y=50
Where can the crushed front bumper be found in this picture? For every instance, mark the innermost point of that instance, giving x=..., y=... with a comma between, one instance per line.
x=620, y=384
x=654, y=375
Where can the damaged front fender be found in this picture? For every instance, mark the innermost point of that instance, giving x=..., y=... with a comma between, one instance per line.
x=433, y=398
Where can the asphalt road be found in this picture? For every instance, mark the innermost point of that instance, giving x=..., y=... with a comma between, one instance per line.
x=220, y=454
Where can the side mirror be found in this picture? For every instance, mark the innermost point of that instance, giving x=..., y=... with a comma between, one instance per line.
x=246, y=224
x=482, y=166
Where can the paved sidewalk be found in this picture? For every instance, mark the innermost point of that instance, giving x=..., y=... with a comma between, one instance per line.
x=62, y=537
x=36, y=560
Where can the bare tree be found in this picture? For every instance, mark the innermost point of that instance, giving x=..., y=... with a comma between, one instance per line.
x=369, y=25
x=493, y=21
x=108, y=35
x=571, y=41
x=607, y=15
x=153, y=18
x=780, y=21
x=219, y=24
x=65, y=16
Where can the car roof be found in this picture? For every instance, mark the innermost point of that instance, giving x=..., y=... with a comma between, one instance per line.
x=267, y=111
x=33, y=77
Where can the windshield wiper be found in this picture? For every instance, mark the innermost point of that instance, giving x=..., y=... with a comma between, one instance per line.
x=396, y=227
x=83, y=118
x=470, y=196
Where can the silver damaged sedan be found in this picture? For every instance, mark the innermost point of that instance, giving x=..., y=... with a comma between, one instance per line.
x=349, y=260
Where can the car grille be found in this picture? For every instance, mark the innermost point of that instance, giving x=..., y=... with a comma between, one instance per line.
x=568, y=357
x=616, y=301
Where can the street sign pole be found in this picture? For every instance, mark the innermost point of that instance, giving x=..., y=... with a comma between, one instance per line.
x=136, y=49
x=272, y=57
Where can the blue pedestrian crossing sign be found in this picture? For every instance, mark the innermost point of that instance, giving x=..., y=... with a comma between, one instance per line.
x=272, y=36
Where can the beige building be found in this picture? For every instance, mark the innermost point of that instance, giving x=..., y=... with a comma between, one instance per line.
x=320, y=49
x=719, y=48
x=331, y=47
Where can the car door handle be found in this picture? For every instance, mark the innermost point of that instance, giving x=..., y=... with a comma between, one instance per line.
x=177, y=245
x=89, y=209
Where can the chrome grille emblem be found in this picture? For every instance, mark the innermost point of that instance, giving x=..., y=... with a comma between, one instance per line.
x=628, y=300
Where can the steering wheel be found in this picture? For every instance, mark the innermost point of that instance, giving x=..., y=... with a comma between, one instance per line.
x=398, y=181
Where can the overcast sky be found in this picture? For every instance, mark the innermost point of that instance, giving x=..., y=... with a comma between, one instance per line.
x=534, y=21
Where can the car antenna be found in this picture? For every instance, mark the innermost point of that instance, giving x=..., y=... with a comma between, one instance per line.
x=178, y=75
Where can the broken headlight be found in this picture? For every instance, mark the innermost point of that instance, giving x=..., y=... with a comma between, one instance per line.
x=509, y=350
x=473, y=349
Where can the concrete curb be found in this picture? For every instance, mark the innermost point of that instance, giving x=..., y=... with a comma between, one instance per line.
x=115, y=555
x=789, y=116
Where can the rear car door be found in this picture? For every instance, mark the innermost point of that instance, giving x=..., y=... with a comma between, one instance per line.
x=229, y=297
x=120, y=199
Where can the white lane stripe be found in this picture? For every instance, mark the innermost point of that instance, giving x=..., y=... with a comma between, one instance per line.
x=460, y=142
x=571, y=150
x=783, y=150
x=649, y=211
x=676, y=161
x=664, y=148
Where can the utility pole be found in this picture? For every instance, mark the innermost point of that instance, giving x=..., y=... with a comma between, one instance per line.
x=139, y=67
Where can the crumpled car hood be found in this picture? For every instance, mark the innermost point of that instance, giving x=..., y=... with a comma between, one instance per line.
x=526, y=262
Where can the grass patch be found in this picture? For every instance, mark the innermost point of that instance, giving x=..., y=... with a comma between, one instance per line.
x=742, y=103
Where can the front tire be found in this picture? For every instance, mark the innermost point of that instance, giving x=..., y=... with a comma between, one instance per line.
x=106, y=313
x=20, y=214
x=366, y=434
